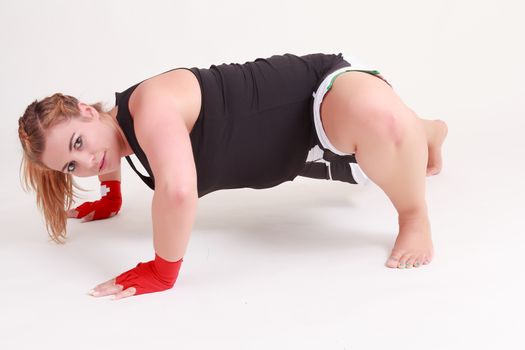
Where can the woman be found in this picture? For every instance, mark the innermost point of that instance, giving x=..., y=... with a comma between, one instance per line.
x=254, y=125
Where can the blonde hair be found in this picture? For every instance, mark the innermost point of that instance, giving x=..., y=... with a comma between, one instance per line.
x=54, y=189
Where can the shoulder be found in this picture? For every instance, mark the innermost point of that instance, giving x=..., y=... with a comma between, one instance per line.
x=171, y=94
x=162, y=109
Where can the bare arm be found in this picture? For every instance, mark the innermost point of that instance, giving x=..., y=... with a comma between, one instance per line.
x=165, y=139
x=173, y=217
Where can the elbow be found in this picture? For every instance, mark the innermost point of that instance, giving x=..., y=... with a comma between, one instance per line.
x=178, y=194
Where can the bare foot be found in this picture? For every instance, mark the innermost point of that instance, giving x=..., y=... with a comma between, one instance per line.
x=413, y=246
x=436, y=133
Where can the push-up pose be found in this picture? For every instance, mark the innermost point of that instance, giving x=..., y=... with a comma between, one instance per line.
x=256, y=125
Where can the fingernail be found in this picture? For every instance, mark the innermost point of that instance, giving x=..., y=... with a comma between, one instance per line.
x=95, y=293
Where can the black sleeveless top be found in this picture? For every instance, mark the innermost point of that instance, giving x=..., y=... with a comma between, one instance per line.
x=255, y=126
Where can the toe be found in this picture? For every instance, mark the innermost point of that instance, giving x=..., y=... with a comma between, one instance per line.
x=418, y=260
x=393, y=260
x=402, y=261
x=426, y=260
x=410, y=262
x=432, y=171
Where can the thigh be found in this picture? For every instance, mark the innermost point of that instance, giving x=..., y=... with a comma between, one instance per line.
x=356, y=102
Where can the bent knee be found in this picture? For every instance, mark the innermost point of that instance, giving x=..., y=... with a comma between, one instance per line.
x=370, y=106
x=370, y=117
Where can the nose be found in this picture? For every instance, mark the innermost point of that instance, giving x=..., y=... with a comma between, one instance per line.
x=88, y=161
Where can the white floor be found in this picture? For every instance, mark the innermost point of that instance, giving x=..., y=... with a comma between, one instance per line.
x=299, y=266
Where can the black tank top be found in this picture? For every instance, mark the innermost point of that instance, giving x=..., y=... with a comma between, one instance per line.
x=255, y=126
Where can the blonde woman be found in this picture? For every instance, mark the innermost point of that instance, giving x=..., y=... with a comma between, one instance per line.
x=256, y=125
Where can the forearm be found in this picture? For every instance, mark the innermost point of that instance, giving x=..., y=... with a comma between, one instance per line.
x=115, y=175
x=173, y=218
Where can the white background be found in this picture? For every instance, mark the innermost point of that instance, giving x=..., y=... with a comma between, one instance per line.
x=299, y=266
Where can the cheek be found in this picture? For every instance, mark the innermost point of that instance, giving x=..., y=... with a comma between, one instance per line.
x=110, y=137
x=99, y=139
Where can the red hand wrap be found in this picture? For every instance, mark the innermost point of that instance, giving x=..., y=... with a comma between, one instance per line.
x=109, y=202
x=153, y=276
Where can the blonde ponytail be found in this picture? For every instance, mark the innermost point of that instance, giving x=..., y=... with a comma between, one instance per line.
x=54, y=195
x=54, y=190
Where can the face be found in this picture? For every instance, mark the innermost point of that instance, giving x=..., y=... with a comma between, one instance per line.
x=82, y=147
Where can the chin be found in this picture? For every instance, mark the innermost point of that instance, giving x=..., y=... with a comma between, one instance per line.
x=107, y=170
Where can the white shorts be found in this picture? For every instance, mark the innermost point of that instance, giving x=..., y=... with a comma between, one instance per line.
x=324, y=87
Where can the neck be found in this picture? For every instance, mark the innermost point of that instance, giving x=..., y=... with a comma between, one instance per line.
x=125, y=147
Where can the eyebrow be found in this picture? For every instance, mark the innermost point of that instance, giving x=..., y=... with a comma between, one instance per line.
x=70, y=145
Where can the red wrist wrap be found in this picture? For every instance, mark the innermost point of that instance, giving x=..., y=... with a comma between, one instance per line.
x=153, y=276
x=109, y=202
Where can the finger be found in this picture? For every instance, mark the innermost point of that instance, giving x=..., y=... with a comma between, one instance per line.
x=72, y=213
x=103, y=286
x=88, y=217
x=109, y=290
x=113, y=213
x=106, y=284
x=125, y=293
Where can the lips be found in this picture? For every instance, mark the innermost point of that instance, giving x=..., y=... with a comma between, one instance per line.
x=102, y=162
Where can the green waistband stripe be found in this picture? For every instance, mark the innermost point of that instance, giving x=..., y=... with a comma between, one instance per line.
x=375, y=72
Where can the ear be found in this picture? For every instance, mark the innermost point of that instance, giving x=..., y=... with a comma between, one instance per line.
x=86, y=110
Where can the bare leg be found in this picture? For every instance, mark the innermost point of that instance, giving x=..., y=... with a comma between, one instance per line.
x=361, y=114
x=436, y=132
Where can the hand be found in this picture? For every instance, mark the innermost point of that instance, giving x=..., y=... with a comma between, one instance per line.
x=111, y=288
x=107, y=206
x=150, y=277
x=90, y=211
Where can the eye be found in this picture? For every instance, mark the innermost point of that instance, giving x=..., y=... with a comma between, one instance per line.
x=78, y=142
x=71, y=167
